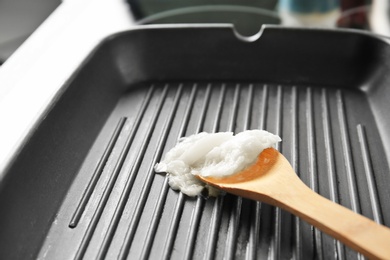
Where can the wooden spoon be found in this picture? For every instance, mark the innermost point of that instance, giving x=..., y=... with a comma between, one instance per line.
x=272, y=180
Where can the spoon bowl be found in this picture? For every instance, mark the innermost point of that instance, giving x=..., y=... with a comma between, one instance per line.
x=272, y=180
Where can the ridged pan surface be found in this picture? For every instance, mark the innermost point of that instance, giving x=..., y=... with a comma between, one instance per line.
x=83, y=186
x=132, y=213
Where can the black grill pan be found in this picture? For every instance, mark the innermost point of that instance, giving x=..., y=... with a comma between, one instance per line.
x=83, y=185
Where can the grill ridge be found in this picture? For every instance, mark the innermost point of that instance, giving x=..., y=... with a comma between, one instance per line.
x=107, y=191
x=129, y=183
x=377, y=215
x=264, y=102
x=218, y=203
x=131, y=175
x=297, y=251
x=235, y=215
x=96, y=175
x=195, y=217
x=255, y=220
x=150, y=233
x=347, y=155
x=312, y=159
x=256, y=212
x=276, y=239
x=345, y=139
x=180, y=202
x=331, y=171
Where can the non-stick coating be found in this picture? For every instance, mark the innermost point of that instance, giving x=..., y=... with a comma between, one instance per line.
x=324, y=92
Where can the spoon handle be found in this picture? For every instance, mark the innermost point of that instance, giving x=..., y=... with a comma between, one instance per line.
x=352, y=229
x=272, y=180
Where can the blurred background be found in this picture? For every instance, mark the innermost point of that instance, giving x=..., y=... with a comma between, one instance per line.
x=19, y=18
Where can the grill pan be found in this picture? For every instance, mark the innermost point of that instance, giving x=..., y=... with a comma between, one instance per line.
x=83, y=185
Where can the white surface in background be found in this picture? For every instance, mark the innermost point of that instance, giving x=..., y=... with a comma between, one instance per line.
x=18, y=19
x=35, y=73
x=379, y=18
x=324, y=20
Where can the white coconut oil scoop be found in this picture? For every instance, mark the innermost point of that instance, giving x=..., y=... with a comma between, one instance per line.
x=216, y=154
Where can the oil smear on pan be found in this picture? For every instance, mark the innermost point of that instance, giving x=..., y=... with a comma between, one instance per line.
x=212, y=155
